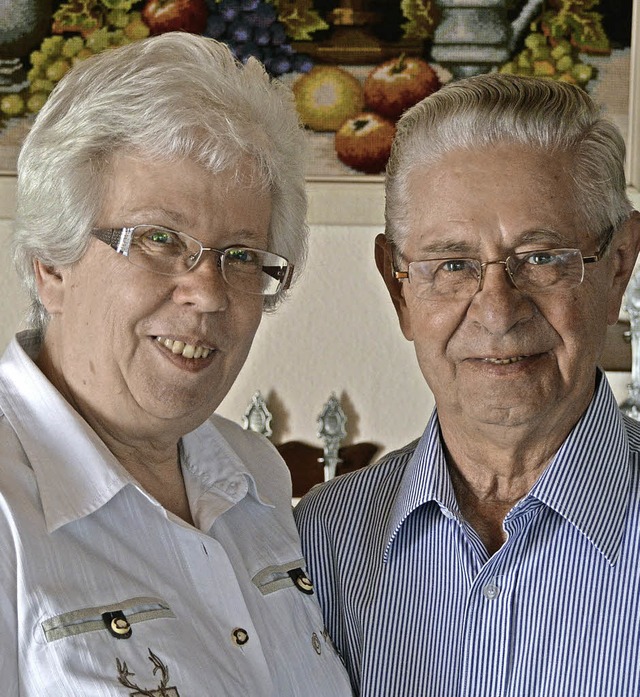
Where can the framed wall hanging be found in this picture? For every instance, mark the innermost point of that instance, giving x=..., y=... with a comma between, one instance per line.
x=354, y=65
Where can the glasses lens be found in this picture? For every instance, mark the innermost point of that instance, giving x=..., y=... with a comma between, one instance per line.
x=546, y=271
x=254, y=270
x=162, y=250
x=445, y=278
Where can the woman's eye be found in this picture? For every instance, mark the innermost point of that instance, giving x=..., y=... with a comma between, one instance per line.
x=240, y=254
x=160, y=237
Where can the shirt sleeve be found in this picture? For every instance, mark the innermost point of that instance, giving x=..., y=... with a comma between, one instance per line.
x=317, y=547
x=8, y=611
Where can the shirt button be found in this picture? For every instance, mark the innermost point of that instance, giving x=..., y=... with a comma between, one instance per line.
x=117, y=624
x=239, y=636
x=315, y=642
x=491, y=591
x=301, y=581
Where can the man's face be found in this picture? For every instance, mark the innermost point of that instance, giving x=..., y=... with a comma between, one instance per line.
x=105, y=345
x=502, y=357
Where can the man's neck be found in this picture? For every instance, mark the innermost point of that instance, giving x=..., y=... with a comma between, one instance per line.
x=491, y=473
x=486, y=497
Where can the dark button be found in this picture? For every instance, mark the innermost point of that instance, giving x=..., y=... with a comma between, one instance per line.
x=301, y=580
x=239, y=636
x=117, y=624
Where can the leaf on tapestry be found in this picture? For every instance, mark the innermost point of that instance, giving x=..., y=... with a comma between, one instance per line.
x=300, y=19
x=422, y=18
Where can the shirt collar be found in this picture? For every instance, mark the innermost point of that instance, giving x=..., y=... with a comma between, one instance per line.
x=426, y=479
x=587, y=482
x=77, y=474
x=213, y=490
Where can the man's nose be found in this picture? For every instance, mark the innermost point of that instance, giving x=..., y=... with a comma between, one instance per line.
x=498, y=305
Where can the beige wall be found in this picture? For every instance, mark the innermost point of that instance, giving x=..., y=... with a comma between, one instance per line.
x=337, y=333
x=12, y=304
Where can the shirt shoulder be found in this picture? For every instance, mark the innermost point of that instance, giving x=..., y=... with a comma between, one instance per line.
x=632, y=428
x=258, y=455
x=359, y=496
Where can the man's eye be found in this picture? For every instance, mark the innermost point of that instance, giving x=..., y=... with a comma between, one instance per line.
x=541, y=258
x=454, y=265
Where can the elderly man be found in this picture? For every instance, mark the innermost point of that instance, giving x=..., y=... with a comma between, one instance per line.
x=500, y=553
x=146, y=546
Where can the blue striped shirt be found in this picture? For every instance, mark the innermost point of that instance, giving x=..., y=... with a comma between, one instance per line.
x=417, y=607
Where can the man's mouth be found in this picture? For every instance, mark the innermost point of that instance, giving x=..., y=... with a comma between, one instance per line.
x=504, y=361
x=184, y=350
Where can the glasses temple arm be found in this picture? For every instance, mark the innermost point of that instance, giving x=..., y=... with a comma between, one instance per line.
x=284, y=274
x=117, y=238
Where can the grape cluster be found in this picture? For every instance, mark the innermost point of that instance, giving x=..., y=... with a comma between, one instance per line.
x=57, y=53
x=558, y=62
x=251, y=28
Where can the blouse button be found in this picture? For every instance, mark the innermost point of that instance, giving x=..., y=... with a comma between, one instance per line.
x=239, y=636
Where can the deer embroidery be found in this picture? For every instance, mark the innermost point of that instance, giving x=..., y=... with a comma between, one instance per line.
x=125, y=675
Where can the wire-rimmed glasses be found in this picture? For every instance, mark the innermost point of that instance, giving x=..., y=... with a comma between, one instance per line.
x=534, y=272
x=172, y=253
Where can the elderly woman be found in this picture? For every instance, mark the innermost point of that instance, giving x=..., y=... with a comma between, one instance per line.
x=146, y=546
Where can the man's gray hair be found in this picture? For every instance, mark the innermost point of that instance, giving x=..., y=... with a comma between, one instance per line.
x=492, y=109
x=171, y=96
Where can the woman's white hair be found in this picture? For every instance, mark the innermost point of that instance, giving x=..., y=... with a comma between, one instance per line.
x=171, y=96
x=492, y=109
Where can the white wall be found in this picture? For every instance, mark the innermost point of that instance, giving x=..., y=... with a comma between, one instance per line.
x=337, y=333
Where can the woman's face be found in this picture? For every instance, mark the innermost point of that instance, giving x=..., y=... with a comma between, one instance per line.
x=112, y=344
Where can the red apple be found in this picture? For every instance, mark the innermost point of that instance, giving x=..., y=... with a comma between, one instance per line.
x=394, y=86
x=364, y=142
x=175, y=15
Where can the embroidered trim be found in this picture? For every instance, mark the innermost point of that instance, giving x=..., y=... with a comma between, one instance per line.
x=90, y=619
x=274, y=578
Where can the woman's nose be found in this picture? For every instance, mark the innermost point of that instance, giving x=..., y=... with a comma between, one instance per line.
x=203, y=286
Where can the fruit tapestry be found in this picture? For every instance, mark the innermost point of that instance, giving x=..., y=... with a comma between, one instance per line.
x=354, y=65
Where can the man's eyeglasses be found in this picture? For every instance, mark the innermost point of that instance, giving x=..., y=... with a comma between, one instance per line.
x=172, y=253
x=540, y=271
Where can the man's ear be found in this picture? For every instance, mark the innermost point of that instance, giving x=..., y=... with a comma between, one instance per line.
x=384, y=262
x=50, y=283
x=623, y=254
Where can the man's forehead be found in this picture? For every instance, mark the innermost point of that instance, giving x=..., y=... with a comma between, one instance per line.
x=514, y=193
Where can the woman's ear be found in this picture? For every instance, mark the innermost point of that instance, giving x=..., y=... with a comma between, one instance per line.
x=384, y=262
x=50, y=283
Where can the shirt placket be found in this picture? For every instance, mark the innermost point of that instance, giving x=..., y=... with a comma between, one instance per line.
x=489, y=615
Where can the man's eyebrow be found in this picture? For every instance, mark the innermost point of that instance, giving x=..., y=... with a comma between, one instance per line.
x=539, y=235
x=446, y=247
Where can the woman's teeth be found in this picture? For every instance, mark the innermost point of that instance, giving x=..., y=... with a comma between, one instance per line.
x=185, y=350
